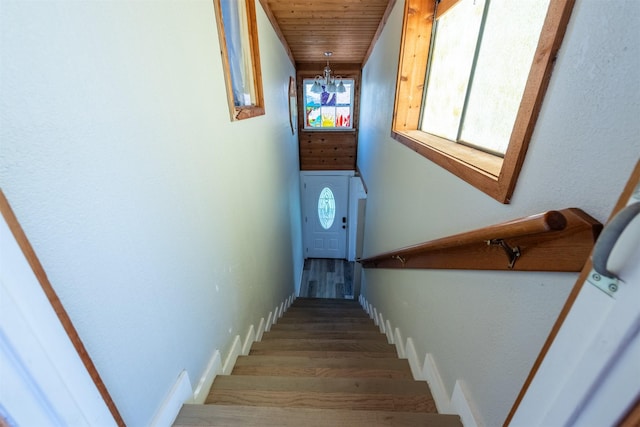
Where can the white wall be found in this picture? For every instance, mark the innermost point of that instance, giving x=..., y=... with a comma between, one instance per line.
x=165, y=229
x=486, y=328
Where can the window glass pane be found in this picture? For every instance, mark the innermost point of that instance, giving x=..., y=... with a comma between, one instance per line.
x=326, y=208
x=453, y=52
x=313, y=117
x=509, y=40
x=236, y=31
x=344, y=98
x=343, y=117
x=328, y=116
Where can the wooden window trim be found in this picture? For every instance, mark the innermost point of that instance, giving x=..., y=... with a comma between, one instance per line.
x=491, y=174
x=242, y=112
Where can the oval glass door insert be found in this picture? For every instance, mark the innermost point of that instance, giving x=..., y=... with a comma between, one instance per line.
x=326, y=208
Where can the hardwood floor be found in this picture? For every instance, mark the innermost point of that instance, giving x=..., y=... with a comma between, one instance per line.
x=327, y=278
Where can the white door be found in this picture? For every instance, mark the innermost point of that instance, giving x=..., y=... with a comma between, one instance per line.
x=325, y=207
x=43, y=381
x=591, y=374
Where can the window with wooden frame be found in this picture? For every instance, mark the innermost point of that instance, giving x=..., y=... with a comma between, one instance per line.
x=238, y=34
x=328, y=106
x=471, y=80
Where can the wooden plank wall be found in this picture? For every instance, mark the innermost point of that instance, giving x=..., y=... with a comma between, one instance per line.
x=328, y=150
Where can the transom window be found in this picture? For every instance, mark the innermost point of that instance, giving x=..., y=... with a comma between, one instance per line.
x=328, y=106
x=471, y=80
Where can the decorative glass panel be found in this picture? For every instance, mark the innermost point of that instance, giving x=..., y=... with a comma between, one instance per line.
x=328, y=110
x=326, y=208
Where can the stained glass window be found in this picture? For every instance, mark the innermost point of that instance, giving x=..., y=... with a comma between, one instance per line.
x=326, y=208
x=325, y=110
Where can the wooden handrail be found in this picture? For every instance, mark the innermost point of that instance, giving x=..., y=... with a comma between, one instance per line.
x=550, y=241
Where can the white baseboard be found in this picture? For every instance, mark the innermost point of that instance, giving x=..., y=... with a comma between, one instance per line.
x=459, y=403
x=402, y=354
x=249, y=340
x=180, y=393
x=389, y=332
x=267, y=326
x=260, y=331
x=234, y=352
x=436, y=385
x=414, y=362
x=213, y=369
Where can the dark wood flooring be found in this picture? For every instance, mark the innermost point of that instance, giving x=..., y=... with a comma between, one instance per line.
x=327, y=278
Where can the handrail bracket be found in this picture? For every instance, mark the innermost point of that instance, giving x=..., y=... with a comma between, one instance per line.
x=512, y=253
x=401, y=259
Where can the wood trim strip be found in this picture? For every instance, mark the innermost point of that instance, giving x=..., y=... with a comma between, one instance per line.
x=444, y=6
x=626, y=194
x=274, y=23
x=550, y=241
x=553, y=31
x=376, y=36
x=412, y=65
x=56, y=304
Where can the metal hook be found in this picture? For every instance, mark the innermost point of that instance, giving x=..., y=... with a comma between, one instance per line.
x=399, y=258
x=512, y=253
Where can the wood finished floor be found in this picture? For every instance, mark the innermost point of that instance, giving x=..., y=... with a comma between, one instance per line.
x=327, y=278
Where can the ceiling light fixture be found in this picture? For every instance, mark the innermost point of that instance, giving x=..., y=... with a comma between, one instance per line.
x=327, y=82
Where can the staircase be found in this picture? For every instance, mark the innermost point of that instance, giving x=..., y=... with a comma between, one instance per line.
x=323, y=364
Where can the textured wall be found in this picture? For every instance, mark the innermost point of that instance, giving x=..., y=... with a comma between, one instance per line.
x=165, y=229
x=486, y=328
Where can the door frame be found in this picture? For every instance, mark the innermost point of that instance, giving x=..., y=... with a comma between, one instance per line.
x=356, y=192
x=50, y=377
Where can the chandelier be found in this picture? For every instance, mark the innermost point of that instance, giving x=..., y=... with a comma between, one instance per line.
x=331, y=83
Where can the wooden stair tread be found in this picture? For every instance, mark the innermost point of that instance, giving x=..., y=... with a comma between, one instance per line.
x=328, y=362
x=325, y=302
x=315, y=334
x=326, y=400
x=324, y=319
x=398, y=387
x=322, y=367
x=324, y=345
x=236, y=415
x=318, y=353
x=326, y=311
x=326, y=326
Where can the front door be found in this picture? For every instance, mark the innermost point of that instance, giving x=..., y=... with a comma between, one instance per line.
x=325, y=207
